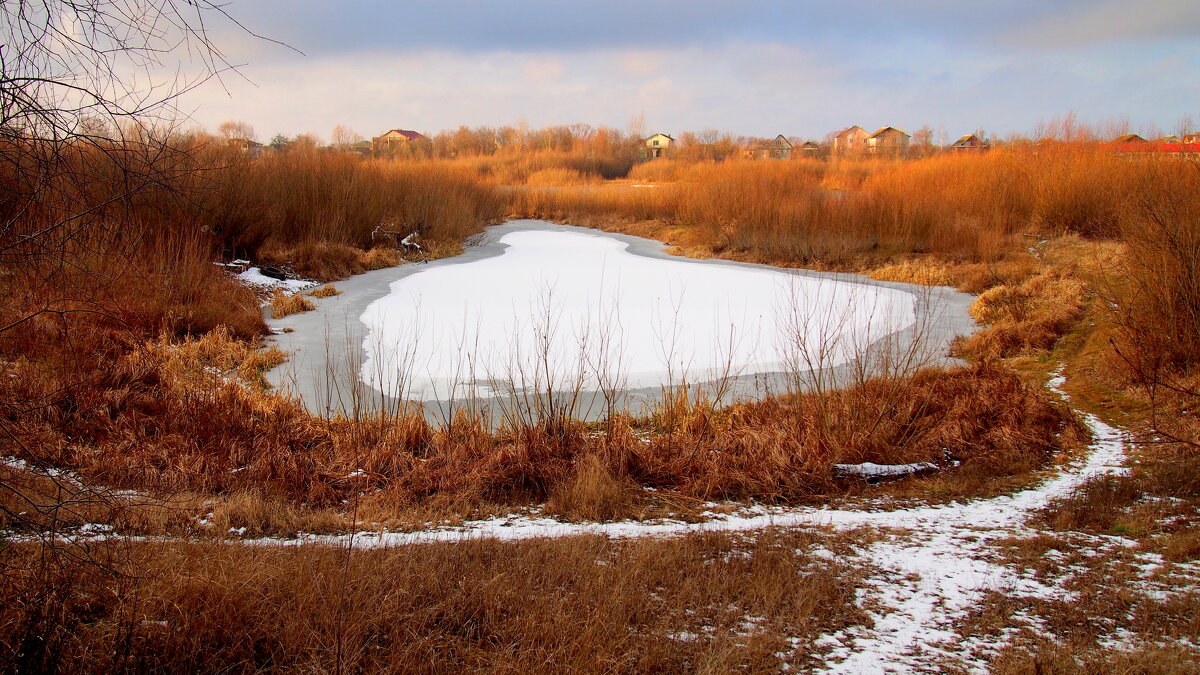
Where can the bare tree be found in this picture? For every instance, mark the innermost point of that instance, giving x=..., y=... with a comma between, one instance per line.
x=87, y=92
x=344, y=137
x=231, y=129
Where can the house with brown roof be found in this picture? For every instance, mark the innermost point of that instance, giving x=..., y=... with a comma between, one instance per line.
x=969, y=142
x=1129, y=138
x=850, y=141
x=810, y=149
x=777, y=148
x=888, y=141
x=397, y=138
x=658, y=145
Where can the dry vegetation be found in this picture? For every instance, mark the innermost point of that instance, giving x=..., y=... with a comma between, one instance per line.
x=707, y=602
x=128, y=358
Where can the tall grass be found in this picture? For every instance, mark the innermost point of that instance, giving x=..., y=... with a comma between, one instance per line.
x=307, y=206
x=855, y=214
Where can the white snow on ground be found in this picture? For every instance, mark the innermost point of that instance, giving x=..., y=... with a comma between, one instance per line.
x=557, y=306
x=255, y=278
x=873, y=470
x=927, y=573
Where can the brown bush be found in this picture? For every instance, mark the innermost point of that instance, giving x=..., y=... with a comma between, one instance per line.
x=283, y=304
x=1026, y=318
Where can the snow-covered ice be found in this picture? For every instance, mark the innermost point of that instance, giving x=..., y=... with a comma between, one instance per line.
x=559, y=307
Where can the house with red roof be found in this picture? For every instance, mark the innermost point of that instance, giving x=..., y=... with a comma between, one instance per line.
x=397, y=138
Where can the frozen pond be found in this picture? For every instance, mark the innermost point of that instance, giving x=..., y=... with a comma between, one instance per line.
x=565, y=310
x=606, y=320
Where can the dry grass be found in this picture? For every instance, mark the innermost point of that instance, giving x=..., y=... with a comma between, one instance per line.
x=909, y=272
x=326, y=291
x=700, y=603
x=283, y=304
x=1025, y=318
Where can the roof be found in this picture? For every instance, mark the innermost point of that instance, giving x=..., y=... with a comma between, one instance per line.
x=780, y=137
x=410, y=135
x=883, y=130
x=1129, y=138
x=847, y=130
x=658, y=134
x=968, y=139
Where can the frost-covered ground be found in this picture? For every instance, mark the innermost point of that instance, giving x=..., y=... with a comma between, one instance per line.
x=927, y=568
x=562, y=306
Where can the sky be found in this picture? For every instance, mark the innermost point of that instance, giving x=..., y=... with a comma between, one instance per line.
x=750, y=67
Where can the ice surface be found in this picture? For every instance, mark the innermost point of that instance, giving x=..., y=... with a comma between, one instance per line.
x=560, y=308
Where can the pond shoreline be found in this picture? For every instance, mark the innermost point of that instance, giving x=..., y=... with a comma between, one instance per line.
x=325, y=346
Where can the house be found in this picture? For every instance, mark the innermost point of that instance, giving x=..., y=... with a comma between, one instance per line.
x=1129, y=138
x=850, y=141
x=397, y=138
x=1191, y=138
x=781, y=148
x=969, y=142
x=1169, y=140
x=657, y=145
x=778, y=148
x=251, y=149
x=810, y=149
x=888, y=141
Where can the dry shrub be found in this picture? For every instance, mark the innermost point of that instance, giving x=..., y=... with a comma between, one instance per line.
x=595, y=493
x=323, y=261
x=326, y=291
x=1155, y=297
x=283, y=304
x=1027, y=318
x=379, y=258
x=912, y=272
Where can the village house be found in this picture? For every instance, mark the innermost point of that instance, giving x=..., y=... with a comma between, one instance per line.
x=1129, y=138
x=397, y=138
x=778, y=148
x=970, y=142
x=1191, y=138
x=888, y=141
x=810, y=149
x=850, y=141
x=657, y=145
x=251, y=149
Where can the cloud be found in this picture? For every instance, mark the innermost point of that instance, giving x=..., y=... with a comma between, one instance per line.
x=1109, y=21
x=758, y=67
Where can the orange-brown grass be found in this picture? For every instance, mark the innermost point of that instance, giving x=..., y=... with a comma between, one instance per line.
x=712, y=602
x=283, y=304
x=1025, y=318
x=860, y=215
x=910, y=272
x=313, y=197
x=326, y=291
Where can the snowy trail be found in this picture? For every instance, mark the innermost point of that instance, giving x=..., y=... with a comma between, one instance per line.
x=929, y=571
